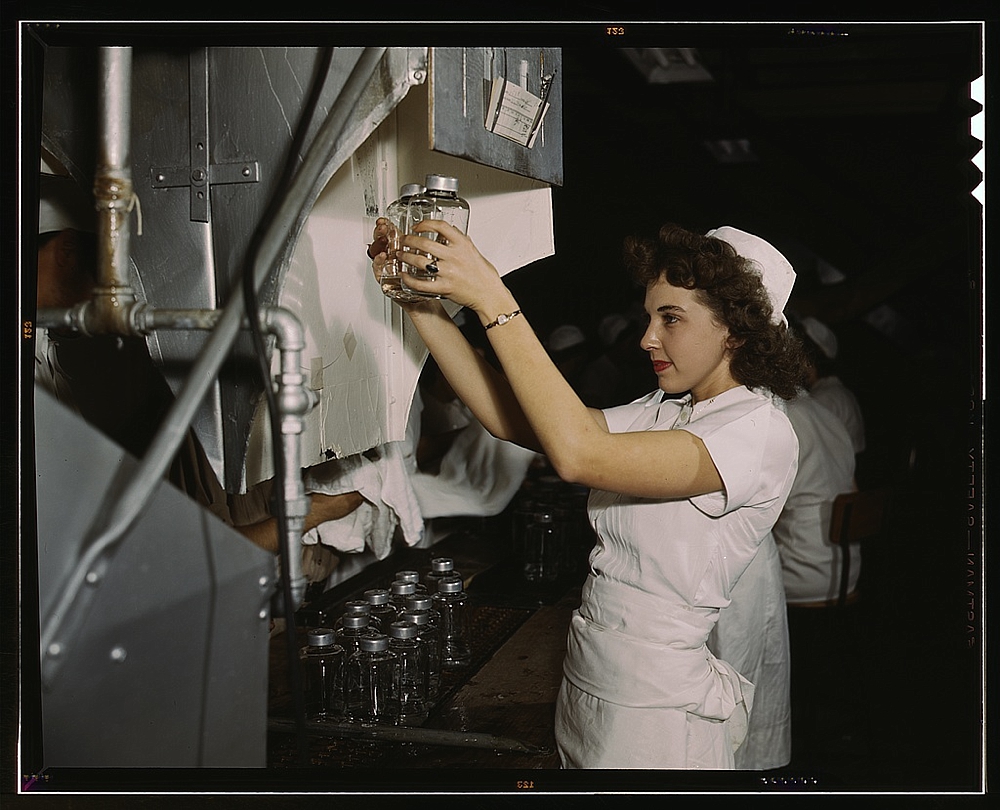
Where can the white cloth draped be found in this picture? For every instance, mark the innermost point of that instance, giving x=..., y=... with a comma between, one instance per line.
x=380, y=476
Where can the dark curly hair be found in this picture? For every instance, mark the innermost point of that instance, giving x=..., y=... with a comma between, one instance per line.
x=766, y=355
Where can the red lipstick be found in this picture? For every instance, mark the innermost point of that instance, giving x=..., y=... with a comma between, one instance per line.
x=660, y=365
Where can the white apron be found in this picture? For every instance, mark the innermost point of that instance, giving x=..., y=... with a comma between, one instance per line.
x=641, y=687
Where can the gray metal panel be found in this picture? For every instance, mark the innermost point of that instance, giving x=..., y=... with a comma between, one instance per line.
x=168, y=665
x=256, y=100
x=458, y=102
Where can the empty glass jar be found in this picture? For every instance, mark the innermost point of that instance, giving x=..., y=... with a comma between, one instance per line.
x=353, y=628
x=383, y=612
x=323, y=675
x=399, y=592
x=398, y=215
x=430, y=635
x=414, y=577
x=410, y=673
x=440, y=567
x=440, y=201
x=368, y=682
x=451, y=602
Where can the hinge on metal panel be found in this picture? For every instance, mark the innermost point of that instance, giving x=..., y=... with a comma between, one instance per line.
x=200, y=175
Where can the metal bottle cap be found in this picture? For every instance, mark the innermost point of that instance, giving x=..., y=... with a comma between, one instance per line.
x=400, y=588
x=410, y=189
x=356, y=607
x=403, y=630
x=417, y=617
x=450, y=585
x=355, y=621
x=408, y=576
x=442, y=564
x=377, y=596
x=376, y=643
x=419, y=602
x=321, y=637
x=438, y=182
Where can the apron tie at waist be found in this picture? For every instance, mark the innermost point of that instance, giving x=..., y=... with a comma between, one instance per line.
x=655, y=657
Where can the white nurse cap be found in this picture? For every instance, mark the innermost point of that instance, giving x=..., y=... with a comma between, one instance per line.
x=821, y=335
x=565, y=337
x=775, y=270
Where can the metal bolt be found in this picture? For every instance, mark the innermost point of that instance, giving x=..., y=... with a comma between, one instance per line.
x=418, y=75
x=55, y=648
x=160, y=177
x=246, y=171
x=118, y=654
x=263, y=614
x=93, y=578
x=198, y=175
x=263, y=581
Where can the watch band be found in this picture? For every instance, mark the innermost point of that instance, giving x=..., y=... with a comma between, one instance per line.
x=502, y=318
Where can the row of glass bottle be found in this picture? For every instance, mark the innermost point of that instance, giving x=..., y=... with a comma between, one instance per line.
x=382, y=660
x=437, y=198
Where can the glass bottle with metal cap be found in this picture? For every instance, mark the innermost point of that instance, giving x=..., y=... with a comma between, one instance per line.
x=414, y=577
x=368, y=680
x=430, y=635
x=398, y=215
x=452, y=603
x=421, y=602
x=354, y=607
x=440, y=567
x=399, y=592
x=353, y=628
x=410, y=673
x=542, y=547
x=440, y=200
x=383, y=613
x=323, y=675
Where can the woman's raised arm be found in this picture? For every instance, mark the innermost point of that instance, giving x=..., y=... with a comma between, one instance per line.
x=480, y=386
x=657, y=464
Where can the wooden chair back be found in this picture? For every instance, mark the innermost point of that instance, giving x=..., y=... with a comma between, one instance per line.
x=857, y=516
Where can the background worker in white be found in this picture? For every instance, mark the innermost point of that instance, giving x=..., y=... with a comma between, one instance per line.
x=810, y=563
x=825, y=386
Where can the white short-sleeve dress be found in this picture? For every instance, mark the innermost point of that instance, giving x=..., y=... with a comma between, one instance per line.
x=641, y=688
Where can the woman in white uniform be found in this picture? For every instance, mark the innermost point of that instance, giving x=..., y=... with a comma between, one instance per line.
x=686, y=482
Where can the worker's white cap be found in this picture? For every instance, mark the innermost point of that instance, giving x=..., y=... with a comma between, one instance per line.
x=775, y=270
x=611, y=328
x=821, y=335
x=565, y=337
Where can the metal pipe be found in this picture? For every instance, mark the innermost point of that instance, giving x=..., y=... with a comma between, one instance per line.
x=300, y=194
x=294, y=400
x=109, y=309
